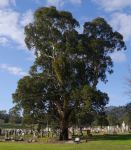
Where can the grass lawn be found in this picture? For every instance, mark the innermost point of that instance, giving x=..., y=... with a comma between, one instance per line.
x=121, y=142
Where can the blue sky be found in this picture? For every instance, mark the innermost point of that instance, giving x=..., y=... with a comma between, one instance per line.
x=15, y=59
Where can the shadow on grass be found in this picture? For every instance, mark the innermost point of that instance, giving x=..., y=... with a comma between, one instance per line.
x=111, y=137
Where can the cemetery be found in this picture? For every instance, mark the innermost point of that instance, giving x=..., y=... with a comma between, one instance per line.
x=76, y=135
x=111, y=136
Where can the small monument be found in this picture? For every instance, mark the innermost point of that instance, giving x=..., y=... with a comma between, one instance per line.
x=123, y=127
x=127, y=128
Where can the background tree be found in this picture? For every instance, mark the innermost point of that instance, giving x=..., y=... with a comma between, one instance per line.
x=4, y=116
x=68, y=65
x=100, y=119
x=128, y=114
x=14, y=116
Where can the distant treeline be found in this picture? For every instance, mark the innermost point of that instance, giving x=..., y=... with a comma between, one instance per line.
x=12, y=117
x=113, y=115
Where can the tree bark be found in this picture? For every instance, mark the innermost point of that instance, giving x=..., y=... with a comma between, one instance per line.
x=63, y=130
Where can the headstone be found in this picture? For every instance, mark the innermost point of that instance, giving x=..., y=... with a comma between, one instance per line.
x=127, y=128
x=123, y=127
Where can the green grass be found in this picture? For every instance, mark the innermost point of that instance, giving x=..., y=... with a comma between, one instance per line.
x=117, y=142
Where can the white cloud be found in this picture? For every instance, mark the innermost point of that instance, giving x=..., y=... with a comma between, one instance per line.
x=57, y=3
x=113, y=5
x=3, y=41
x=60, y=3
x=13, y=70
x=118, y=57
x=75, y=1
x=27, y=17
x=12, y=25
x=9, y=26
x=6, y=3
x=122, y=23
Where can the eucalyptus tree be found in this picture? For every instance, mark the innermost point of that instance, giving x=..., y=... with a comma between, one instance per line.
x=68, y=66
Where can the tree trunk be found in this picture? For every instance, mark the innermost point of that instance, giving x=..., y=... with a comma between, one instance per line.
x=81, y=131
x=63, y=130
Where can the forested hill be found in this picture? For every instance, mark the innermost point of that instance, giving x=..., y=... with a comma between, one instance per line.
x=118, y=114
